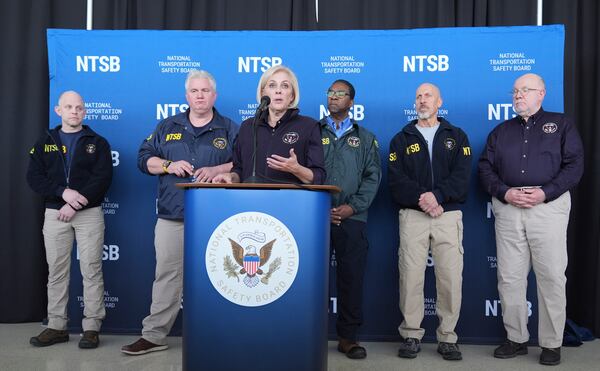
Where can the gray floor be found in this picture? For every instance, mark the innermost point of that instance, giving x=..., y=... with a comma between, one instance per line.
x=17, y=354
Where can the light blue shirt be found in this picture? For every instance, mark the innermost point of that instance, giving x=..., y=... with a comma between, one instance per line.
x=344, y=126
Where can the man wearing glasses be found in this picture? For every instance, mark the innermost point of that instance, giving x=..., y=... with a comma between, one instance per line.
x=529, y=164
x=429, y=167
x=352, y=162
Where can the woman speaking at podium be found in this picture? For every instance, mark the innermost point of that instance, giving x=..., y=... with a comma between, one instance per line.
x=277, y=145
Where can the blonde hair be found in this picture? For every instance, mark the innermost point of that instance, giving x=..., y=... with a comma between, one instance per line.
x=270, y=72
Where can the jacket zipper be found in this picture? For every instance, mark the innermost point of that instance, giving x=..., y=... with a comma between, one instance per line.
x=67, y=169
x=62, y=157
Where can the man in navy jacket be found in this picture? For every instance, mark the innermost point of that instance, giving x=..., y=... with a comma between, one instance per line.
x=429, y=168
x=195, y=145
x=71, y=166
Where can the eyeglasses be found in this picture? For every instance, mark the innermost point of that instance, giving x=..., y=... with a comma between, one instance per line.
x=523, y=91
x=337, y=93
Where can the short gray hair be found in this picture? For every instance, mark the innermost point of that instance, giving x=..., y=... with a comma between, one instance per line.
x=200, y=74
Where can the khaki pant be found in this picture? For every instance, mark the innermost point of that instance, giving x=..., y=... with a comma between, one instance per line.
x=168, y=281
x=419, y=232
x=533, y=237
x=87, y=227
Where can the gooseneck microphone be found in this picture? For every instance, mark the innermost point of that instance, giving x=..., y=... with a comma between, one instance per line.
x=264, y=104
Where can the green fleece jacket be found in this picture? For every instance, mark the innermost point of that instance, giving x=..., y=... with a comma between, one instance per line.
x=353, y=164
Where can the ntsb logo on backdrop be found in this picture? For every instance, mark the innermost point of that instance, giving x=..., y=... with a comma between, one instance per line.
x=500, y=111
x=252, y=259
x=109, y=252
x=170, y=109
x=98, y=63
x=430, y=63
x=492, y=306
x=254, y=64
x=357, y=112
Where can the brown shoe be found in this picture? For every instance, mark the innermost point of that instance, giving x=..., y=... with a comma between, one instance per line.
x=89, y=340
x=351, y=349
x=48, y=337
x=142, y=346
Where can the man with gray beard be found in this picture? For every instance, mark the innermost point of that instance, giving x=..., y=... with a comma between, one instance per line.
x=428, y=168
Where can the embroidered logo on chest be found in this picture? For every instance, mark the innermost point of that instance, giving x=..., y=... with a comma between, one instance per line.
x=449, y=144
x=353, y=141
x=90, y=148
x=220, y=143
x=549, y=128
x=290, y=138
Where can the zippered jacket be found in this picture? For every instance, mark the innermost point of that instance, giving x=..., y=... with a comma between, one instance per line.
x=175, y=139
x=352, y=163
x=411, y=172
x=90, y=171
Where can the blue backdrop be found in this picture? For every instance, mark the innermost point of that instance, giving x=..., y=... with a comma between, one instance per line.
x=130, y=80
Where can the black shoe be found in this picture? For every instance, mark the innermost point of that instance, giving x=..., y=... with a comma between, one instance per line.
x=510, y=349
x=48, y=337
x=409, y=348
x=351, y=349
x=550, y=356
x=449, y=351
x=89, y=340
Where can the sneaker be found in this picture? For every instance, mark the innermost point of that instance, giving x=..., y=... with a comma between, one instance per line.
x=351, y=349
x=89, y=340
x=550, y=356
x=48, y=337
x=510, y=349
x=449, y=351
x=142, y=346
x=409, y=348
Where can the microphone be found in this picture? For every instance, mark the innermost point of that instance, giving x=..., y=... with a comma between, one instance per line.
x=264, y=104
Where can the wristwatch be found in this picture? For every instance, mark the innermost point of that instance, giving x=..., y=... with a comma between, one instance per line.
x=165, y=165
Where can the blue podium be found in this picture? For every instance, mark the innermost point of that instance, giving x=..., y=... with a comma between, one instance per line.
x=256, y=277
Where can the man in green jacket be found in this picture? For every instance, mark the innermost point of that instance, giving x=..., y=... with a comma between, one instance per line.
x=352, y=162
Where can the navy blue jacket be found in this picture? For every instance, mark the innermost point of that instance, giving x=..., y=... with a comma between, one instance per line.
x=174, y=139
x=411, y=172
x=90, y=172
x=293, y=131
x=545, y=151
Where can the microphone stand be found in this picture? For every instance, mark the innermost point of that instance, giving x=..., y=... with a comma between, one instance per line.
x=253, y=178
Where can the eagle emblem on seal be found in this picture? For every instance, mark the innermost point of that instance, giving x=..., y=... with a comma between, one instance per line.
x=251, y=262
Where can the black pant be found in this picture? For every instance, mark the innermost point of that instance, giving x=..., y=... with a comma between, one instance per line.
x=349, y=241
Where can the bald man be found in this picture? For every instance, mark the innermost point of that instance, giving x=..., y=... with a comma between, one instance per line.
x=528, y=166
x=429, y=167
x=71, y=167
